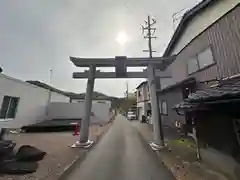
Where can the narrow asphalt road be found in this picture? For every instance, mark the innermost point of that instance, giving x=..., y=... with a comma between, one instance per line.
x=122, y=154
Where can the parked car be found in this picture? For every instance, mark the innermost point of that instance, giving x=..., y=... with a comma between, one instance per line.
x=131, y=115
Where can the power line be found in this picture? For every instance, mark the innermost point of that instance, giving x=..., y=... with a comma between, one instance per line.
x=177, y=16
x=127, y=89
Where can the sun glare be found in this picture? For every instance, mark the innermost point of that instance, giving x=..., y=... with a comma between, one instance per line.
x=121, y=38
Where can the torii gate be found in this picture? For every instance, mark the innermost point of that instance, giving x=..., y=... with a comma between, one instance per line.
x=121, y=63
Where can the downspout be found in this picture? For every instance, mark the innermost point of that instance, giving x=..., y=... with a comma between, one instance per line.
x=49, y=96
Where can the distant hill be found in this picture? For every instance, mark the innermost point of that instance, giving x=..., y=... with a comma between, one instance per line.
x=96, y=96
x=72, y=95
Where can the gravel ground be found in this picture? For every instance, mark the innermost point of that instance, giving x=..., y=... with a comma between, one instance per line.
x=59, y=154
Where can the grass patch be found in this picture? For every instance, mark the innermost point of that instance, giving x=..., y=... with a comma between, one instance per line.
x=184, y=149
x=182, y=142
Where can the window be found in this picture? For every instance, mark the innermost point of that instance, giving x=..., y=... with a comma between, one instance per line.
x=164, y=108
x=202, y=60
x=205, y=58
x=139, y=93
x=9, y=107
x=192, y=65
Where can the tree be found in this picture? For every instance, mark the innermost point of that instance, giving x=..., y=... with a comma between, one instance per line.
x=124, y=104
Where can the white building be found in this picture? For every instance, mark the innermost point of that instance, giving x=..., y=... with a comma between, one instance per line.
x=22, y=103
x=143, y=100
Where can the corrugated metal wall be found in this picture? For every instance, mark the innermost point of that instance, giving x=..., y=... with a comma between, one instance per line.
x=224, y=38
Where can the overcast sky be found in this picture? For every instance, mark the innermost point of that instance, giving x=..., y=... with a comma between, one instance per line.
x=39, y=35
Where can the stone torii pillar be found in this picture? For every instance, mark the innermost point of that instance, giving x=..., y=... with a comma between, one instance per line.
x=120, y=64
x=88, y=106
x=84, y=128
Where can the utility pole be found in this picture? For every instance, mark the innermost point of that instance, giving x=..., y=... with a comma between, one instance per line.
x=126, y=95
x=157, y=123
x=127, y=90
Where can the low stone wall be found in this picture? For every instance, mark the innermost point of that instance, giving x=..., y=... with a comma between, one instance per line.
x=224, y=163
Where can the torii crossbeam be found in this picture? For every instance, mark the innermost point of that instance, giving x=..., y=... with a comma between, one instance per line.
x=121, y=63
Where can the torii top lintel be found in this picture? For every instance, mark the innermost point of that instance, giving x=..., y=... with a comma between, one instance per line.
x=159, y=62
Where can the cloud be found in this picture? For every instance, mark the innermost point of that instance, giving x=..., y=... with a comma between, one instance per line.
x=39, y=35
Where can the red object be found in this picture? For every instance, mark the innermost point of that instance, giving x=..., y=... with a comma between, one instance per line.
x=76, y=130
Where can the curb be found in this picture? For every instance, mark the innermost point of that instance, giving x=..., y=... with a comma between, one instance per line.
x=145, y=139
x=79, y=159
x=175, y=170
x=73, y=165
x=168, y=167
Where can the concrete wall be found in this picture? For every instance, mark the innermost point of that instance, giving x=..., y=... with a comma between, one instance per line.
x=61, y=110
x=222, y=162
x=56, y=97
x=32, y=103
x=165, y=82
x=202, y=21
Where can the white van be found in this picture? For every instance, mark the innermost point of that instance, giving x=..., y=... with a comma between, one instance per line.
x=131, y=115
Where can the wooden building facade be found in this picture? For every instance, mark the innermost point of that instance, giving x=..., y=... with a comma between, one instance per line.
x=211, y=54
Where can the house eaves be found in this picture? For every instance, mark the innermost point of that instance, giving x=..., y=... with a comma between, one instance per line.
x=190, y=80
x=187, y=17
x=47, y=87
x=141, y=84
x=227, y=91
